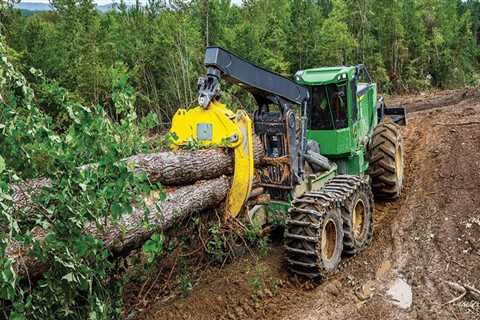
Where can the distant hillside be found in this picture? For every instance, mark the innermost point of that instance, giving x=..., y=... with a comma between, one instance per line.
x=105, y=7
x=28, y=13
x=33, y=6
x=26, y=7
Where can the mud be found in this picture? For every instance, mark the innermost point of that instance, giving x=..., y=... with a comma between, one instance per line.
x=429, y=236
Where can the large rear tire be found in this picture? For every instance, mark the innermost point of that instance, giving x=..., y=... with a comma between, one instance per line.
x=386, y=161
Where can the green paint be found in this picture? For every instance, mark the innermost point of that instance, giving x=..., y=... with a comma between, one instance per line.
x=332, y=142
x=277, y=212
x=322, y=76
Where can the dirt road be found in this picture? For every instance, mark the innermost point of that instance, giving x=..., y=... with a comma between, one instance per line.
x=430, y=236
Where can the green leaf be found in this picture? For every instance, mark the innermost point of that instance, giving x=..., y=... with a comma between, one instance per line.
x=70, y=277
x=162, y=195
x=16, y=316
x=2, y=164
x=117, y=210
x=154, y=247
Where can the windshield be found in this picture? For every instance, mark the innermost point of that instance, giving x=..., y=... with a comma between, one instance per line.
x=328, y=107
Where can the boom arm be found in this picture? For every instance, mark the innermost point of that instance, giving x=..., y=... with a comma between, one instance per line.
x=261, y=83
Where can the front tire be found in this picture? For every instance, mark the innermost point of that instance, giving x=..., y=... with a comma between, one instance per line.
x=331, y=242
x=313, y=239
x=386, y=161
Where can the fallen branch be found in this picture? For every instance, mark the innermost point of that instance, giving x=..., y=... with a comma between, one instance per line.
x=474, y=292
x=457, y=288
x=457, y=123
x=464, y=290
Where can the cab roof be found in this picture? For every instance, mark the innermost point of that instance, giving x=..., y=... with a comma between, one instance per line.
x=324, y=75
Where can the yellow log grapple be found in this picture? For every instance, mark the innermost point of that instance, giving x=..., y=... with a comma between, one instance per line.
x=218, y=126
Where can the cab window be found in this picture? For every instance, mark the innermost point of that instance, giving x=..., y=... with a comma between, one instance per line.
x=328, y=107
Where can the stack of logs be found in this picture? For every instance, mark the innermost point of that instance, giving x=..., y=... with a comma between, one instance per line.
x=196, y=180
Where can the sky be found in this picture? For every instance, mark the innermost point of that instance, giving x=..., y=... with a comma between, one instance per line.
x=96, y=1
x=103, y=1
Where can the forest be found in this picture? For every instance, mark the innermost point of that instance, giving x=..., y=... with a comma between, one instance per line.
x=78, y=86
x=408, y=45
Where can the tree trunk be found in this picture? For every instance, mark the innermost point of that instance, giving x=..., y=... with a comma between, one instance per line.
x=168, y=168
x=129, y=232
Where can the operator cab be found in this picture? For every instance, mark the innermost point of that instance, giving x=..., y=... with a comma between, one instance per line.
x=339, y=112
x=332, y=91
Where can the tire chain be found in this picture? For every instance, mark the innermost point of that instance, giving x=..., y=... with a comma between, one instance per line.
x=302, y=232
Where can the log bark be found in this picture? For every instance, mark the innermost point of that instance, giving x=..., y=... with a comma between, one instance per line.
x=129, y=232
x=168, y=168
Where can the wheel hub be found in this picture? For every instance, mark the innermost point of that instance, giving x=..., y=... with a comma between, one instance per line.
x=329, y=240
x=399, y=163
x=358, y=220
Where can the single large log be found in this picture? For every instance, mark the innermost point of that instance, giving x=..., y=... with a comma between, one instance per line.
x=168, y=168
x=129, y=232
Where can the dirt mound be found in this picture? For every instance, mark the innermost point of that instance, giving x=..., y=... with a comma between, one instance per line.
x=435, y=99
x=429, y=236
